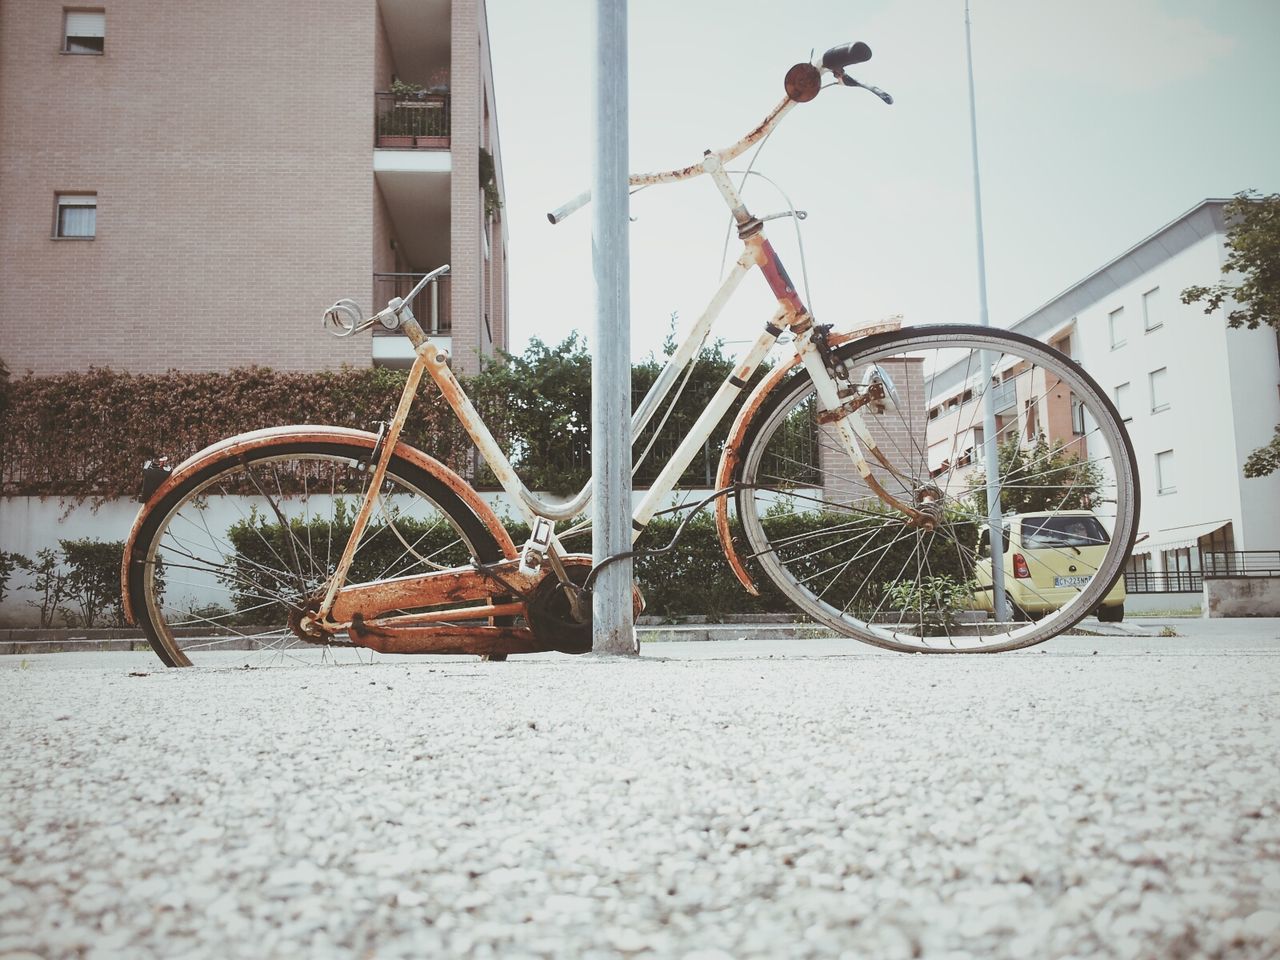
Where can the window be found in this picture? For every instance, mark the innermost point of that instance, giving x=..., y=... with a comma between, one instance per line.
x=1062, y=531
x=76, y=217
x=1159, y=389
x=1115, y=320
x=1179, y=561
x=1151, y=319
x=1164, y=472
x=84, y=31
x=1121, y=398
x=1032, y=412
x=984, y=540
x=1063, y=346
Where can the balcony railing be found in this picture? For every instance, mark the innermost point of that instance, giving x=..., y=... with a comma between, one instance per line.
x=1241, y=563
x=414, y=122
x=1004, y=395
x=430, y=307
x=1174, y=581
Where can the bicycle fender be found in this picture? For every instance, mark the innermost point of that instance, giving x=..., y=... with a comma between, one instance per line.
x=729, y=471
x=730, y=467
x=245, y=442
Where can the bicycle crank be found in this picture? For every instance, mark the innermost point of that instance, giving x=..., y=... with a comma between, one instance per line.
x=560, y=613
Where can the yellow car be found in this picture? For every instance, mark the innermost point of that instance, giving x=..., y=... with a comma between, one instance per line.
x=1048, y=559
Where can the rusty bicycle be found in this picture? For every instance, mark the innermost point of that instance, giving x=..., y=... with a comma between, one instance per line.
x=855, y=480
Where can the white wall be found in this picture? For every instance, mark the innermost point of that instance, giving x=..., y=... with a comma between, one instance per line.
x=1221, y=387
x=1254, y=380
x=30, y=524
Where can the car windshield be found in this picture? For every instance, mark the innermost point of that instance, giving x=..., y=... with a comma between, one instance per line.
x=1063, y=531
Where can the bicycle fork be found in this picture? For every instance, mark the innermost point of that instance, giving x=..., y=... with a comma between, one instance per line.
x=841, y=411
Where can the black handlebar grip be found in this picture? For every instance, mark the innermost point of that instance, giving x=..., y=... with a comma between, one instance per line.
x=846, y=54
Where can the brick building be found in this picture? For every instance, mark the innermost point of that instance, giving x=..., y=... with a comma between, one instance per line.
x=190, y=186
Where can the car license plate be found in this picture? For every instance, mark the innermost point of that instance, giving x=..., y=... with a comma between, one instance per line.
x=1070, y=581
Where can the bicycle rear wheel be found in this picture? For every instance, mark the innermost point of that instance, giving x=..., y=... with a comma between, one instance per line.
x=246, y=541
x=820, y=533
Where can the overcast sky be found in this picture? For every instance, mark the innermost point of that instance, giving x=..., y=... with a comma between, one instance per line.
x=1099, y=122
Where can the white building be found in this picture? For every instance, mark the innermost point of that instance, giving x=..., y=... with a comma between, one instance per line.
x=1197, y=396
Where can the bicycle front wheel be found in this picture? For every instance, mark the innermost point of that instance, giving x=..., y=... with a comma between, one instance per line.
x=1066, y=475
x=243, y=544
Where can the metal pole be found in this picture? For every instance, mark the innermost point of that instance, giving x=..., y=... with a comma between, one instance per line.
x=613, y=630
x=990, y=446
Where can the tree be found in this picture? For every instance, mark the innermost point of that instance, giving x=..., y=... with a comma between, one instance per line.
x=93, y=582
x=1038, y=479
x=538, y=403
x=48, y=582
x=1253, y=245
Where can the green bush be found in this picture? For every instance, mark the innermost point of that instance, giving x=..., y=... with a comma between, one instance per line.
x=853, y=560
x=933, y=601
x=77, y=584
x=8, y=563
x=1043, y=477
x=693, y=578
x=48, y=583
x=92, y=583
x=86, y=435
x=262, y=548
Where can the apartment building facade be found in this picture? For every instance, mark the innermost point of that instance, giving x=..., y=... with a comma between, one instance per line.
x=190, y=186
x=1196, y=396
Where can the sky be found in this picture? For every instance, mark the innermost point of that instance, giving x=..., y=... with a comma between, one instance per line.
x=1099, y=121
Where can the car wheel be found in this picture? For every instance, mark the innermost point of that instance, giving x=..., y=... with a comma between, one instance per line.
x=1111, y=614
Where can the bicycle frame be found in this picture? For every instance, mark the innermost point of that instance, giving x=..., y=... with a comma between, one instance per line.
x=505, y=600
x=790, y=314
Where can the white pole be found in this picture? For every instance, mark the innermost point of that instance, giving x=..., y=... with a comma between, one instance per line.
x=990, y=446
x=613, y=630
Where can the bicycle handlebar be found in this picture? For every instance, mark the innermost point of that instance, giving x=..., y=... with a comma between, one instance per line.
x=833, y=62
x=845, y=55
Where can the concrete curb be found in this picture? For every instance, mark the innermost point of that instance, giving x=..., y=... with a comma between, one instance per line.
x=761, y=627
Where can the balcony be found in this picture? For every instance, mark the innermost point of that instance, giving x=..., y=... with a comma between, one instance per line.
x=413, y=122
x=1004, y=395
x=431, y=308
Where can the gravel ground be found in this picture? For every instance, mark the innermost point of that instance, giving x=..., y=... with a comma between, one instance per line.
x=712, y=803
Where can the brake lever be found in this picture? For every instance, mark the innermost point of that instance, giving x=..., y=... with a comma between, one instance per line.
x=850, y=82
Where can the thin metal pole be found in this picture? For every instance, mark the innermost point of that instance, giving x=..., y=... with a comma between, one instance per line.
x=990, y=446
x=613, y=629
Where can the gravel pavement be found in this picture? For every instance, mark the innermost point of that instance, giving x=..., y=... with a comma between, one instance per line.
x=734, y=800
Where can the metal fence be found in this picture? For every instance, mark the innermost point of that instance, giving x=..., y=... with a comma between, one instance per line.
x=417, y=122
x=1150, y=581
x=1241, y=563
x=430, y=307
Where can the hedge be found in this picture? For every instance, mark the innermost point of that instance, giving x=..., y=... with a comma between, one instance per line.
x=87, y=434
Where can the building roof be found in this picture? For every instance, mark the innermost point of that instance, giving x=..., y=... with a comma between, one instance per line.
x=1202, y=220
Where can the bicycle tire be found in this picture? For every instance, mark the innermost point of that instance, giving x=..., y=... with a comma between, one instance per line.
x=767, y=492
x=226, y=568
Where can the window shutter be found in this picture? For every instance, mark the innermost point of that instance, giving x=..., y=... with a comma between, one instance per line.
x=86, y=24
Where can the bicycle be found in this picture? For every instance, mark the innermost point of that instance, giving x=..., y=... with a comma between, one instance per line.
x=850, y=465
